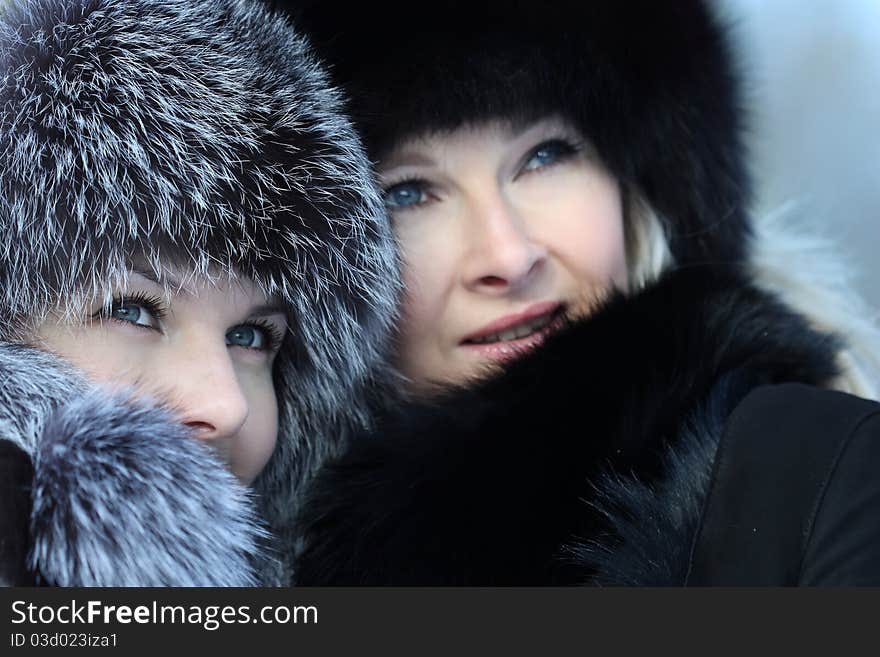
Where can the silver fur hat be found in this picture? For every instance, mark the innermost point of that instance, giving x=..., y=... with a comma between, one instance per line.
x=201, y=133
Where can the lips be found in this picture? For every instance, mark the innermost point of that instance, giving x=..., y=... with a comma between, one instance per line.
x=515, y=334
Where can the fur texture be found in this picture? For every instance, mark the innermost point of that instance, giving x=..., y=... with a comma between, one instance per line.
x=35, y=384
x=123, y=496
x=650, y=84
x=790, y=257
x=652, y=524
x=544, y=475
x=202, y=135
x=120, y=494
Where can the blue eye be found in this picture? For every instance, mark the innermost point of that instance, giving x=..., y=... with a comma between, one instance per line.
x=129, y=313
x=547, y=153
x=249, y=337
x=405, y=195
x=139, y=310
x=257, y=335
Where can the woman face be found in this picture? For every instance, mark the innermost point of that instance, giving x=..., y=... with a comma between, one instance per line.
x=206, y=351
x=503, y=231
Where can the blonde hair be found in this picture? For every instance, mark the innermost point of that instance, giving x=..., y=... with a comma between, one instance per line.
x=791, y=260
x=647, y=249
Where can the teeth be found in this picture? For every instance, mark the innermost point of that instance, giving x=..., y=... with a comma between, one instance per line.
x=516, y=332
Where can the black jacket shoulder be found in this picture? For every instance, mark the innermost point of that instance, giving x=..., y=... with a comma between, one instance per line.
x=795, y=495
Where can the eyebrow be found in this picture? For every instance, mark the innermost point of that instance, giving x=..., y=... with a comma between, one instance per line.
x=405, y=158
x=264, y=310
x=151, y=276
x=273, y=307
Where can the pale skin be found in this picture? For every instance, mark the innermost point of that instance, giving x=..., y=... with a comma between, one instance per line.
x=206, y=351
x=503, y=229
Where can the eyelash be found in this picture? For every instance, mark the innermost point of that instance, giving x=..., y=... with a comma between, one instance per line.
x=567, y=150
x=423, y=185
x=152, y=304
x=156, y=308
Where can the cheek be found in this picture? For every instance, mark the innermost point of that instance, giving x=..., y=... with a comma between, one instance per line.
x=585, y=226
x=258, y=436
x=429, y=255
x=105, y=356
x=603, y=247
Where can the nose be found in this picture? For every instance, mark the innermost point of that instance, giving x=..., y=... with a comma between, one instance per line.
x=207, y=391
x=502, y=256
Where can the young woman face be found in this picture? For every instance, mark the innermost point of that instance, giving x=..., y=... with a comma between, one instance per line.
x=207, y=352
x=503, y=231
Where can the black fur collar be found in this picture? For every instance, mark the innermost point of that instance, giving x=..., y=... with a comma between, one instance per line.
x=586, y=462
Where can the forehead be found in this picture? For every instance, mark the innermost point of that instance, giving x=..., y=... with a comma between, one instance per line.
x=177, y=278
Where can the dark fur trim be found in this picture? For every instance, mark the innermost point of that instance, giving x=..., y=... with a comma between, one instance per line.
x=483, y=487
x=652, y=524
x=651, y=84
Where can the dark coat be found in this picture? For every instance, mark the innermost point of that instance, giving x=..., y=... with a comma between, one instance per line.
x=795, y=497
x=678, y=436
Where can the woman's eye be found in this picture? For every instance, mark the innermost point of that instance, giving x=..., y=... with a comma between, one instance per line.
x=134, y=313
x=405, y=195
x=550, y=152
x=249, y=337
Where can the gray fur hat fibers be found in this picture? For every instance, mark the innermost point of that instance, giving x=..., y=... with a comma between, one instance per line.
x=119, y=494
x=199, y=133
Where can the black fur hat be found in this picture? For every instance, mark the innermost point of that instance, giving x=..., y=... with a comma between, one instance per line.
x=203, y=134
x=650, y=83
